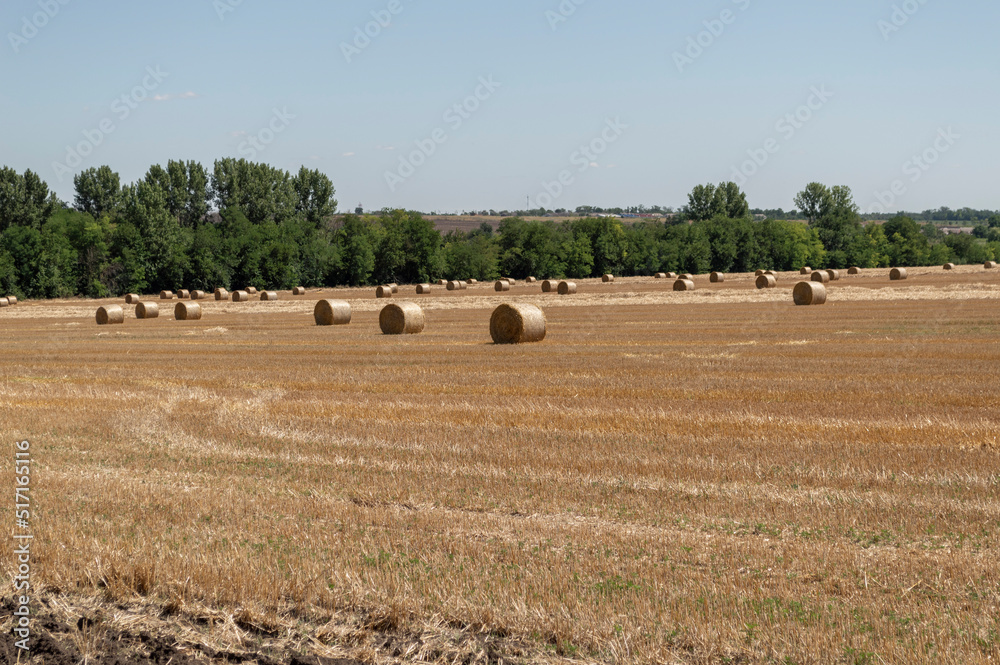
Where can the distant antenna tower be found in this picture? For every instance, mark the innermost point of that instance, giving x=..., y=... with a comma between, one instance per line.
x=359, y=210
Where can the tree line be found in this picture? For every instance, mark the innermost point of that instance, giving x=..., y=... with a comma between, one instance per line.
x=245, y=223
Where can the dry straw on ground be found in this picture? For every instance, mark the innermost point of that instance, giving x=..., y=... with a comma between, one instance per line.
x=717, y=278
x=131, y=298
x=809, y=293
x=241, y=296
x=147, y=310
x=821, y=276
x=385, y=292
x=423, y=289
x=110, y=314
x=501, y=285
x=299, y=291
x=268, y=296
x=898, y=274
x=166, y=295
x=187, y=311
x=766, y=282
x=608, y=278
x=332, y=313
x=566, y=288
x=517, y=323
x=405, y=318
x=684, y=285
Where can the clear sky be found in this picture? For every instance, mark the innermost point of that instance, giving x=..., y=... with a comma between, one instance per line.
x=534, y=81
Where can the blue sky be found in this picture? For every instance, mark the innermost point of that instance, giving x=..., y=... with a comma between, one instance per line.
x=658, y=114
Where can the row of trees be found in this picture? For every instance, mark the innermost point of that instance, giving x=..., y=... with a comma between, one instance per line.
x=245, y=223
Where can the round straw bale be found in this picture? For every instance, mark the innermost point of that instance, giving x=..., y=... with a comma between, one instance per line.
x=384, y=292
x=166, y=295
x=299, y=291
x=771, y=273
x=530, y=280
x=607, y=278
x=501, y=285
x=423, y=289
x=4, y=302
x=671, y=275
x=131, y=298
x=241, y=296
x=110, y=315
x=513, y=282
x=269, y=296
x=549, y=285
x=252, y=290
x=442, y=282
x=766, y=282
x=758, y=273
x=147, y=310
x=834, y=275
x=184, y=294
x=405, y=318
x=821, y=276
x=453, y=285
x=684, y=285
x=394, y=287
x=462, y=285
x=897, y=274
x=517, y=324
x=472, y=281
x=854, y=270
x=716, y=278
x=809, y=293
x=990, y=265
x=221, y=294
x=660, y=275
x=949, y=266
x=805, y=270
x=566, y=288
x=187, y=311
x=11, y=300
x=197, y=295
x=688, y=276
x=332, y=313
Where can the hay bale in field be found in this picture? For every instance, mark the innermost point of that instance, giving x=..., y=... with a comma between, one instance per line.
x=423, y=289
x=472, y=281
x=147, y=310
x=805, y=270
x=771, y=273
x=501, y=285
x=809, y=293
x=549, y=285
x=660, y=275
x=442, y=282
x=990, y=265
x=332, y=313
x=686, y=275
x=834, y=275
x=758, y=273
x=11, y=300
x=221, y=294
x=268, y=296
x=241, y=296
x=684, y=285
x=187, y=311
x=766, y=282
x=197, y=295
x=184, y=294
x=949, y=266
x=462, y=285
x=607, y=279
x=394, y=287
x=511, y=280
x=252, y=290
x=4, y=302
x=110, y=315
x=854, y=270
x=898, y=274
x=384, y=292
x=131, y=298
x=820, y=276
x=671, y=275
x=405, y=318
x=453, y=285
x=530, y=280
x=299, y=291
x=517, y=324
x=166, y=295
x=566, y=288
x=717, y=278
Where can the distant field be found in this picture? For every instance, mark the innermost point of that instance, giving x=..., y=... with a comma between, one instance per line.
x=706, y=477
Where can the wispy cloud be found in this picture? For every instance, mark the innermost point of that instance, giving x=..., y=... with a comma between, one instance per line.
x=348, y=154
x=384, y=147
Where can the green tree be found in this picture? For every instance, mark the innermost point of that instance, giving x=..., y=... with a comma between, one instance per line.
x=314, y=192
x=25, y=200
x=98, y=192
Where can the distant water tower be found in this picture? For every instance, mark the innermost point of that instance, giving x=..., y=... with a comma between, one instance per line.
x=359, y=210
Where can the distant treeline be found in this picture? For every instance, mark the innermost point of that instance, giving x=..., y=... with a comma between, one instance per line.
x=250, y=224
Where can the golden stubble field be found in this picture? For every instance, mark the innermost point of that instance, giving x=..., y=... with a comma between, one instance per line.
x=706, y=477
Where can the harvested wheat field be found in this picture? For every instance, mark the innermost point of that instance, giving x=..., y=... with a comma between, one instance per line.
x=713, y=476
